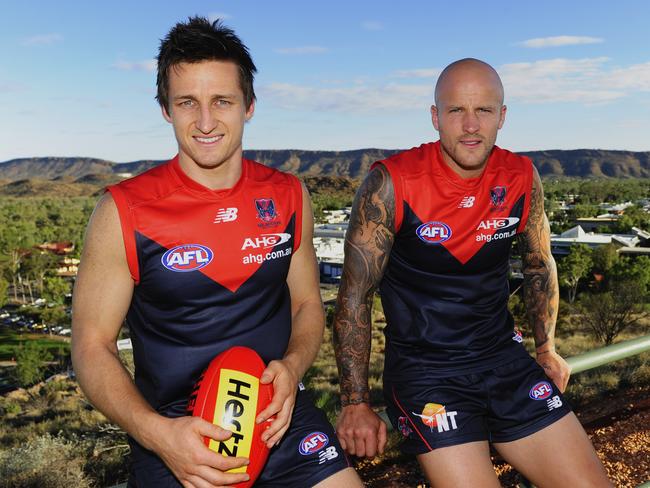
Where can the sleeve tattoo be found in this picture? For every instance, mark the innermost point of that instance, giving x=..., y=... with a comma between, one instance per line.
x=541, y=294
x=368, y=242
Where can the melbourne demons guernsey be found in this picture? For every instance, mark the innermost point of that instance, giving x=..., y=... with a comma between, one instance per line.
x=445, y=289
x=210, y=269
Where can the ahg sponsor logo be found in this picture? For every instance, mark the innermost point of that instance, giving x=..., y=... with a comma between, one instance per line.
x=265, y=241
x=498, y=223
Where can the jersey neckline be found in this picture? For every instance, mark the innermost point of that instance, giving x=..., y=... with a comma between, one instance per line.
x=454, y=178
x=180, y=176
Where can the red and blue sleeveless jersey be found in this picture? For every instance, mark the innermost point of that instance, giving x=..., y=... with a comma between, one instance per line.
x=210, y=269
x=445, y=288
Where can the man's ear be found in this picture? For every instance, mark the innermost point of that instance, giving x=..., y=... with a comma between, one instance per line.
x=434, y=117
x=165, y=114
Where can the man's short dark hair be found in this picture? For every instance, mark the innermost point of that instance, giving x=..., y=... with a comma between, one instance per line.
x=198, y=40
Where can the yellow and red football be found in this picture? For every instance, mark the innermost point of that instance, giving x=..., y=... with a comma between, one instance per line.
x=229, y=394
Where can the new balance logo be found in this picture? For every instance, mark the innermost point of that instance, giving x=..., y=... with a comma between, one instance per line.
x=327, y=455
x=554, y=402
x=467, y=202
x=225, y=215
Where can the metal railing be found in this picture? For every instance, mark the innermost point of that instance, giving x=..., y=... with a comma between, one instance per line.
x=600, y=357
x=608, y=354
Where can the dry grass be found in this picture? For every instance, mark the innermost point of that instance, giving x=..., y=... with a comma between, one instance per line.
x=53, y=421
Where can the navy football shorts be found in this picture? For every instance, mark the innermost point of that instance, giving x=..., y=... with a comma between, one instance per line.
x=308, y=453
x=503, y=404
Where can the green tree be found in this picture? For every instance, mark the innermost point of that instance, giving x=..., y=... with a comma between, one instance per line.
x=52, y=316
x=55, y=289
x=4, y=287
x=610, y=313
x=37, y=266
x=604, y=258
x=574, y=267
x=30, y=363
x=633, y=216
x=635, y=269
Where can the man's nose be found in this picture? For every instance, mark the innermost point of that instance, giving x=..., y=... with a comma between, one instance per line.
x=206, y=121
x=471, y=122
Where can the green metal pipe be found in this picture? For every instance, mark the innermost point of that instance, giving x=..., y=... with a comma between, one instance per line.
x=608, y=354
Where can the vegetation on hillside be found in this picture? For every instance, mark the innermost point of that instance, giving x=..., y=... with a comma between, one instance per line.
x=604, y=300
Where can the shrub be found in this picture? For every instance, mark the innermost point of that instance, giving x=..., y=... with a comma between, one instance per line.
x=44, y=462
x=30, y=359
x=12, y=407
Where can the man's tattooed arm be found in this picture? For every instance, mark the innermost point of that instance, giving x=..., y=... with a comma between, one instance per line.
x=541, y=294
x=368, y=242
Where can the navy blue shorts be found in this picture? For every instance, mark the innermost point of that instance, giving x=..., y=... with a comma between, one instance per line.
x=308, y=453
x=503, y=404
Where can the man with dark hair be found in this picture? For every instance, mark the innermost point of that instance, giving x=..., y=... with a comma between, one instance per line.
x=432, y=227
x=205, y=252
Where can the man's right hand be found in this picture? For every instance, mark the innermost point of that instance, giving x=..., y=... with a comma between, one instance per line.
x=360, y=430
x=179, y=443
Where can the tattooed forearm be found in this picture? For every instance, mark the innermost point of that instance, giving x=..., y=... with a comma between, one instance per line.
x=367, y=246
x=541, y=294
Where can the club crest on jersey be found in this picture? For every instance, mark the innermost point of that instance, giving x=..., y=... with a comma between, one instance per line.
x=265, y=209
x=312, y=443
x=498, y=196
x=187, y=257
x=541, y=391
x=517, y=336
x=433, y=232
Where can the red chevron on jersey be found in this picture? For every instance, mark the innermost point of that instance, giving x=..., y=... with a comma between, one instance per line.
x=445, y=287
x=463, y=215
x=167, y=207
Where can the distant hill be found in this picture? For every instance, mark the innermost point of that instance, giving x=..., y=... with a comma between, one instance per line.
x=48, y=188
x=354, y=164
x=51, y=168
x=591, y=163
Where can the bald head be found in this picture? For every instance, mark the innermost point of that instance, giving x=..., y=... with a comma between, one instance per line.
x=468, y=70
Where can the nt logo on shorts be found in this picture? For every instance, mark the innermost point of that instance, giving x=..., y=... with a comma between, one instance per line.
x=436, y=416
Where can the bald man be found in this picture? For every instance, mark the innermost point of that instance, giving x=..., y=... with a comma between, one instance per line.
x=432, y=228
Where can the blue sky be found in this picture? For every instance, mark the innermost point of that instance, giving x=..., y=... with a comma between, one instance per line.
x=78, y=78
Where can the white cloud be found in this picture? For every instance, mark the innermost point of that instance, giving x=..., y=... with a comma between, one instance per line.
x=429, y=73
x=42, y=40
x=12, y=87
x=559, y=80
x=635, y=77
x=148, y=65
x=218, y=15
x=558, y=41
x=372, y=25
x=586, y=81
x=350, y=99
x=302, y=50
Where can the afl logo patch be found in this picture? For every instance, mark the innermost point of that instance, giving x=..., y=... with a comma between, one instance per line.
x=434, y=232
x=312, y=443
x=187, y=257
x=541, y=391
